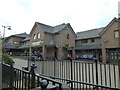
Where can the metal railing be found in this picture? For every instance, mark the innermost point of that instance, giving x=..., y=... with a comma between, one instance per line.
x=17, y=79
x=82, y=74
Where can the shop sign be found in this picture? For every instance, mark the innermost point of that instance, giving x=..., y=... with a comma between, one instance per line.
x=38, y=43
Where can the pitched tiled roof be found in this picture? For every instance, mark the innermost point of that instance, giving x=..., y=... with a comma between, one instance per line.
x=11, y=46
x=93, y=33
x=45, y=28
x=26, y=39
x=59, y=27
x=88, y=46
x=51, y=29
x=24, y=46
x=20, y=35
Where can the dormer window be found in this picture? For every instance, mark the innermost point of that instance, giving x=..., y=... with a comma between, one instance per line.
x=34, y=36
x=38, y=36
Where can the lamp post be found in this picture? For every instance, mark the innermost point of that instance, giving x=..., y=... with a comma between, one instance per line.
x=8, y=27
x=5, y=27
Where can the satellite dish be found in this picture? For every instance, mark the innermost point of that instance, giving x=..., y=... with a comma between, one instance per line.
x=105, y=40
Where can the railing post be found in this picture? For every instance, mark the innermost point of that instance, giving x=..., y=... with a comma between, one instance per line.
x=96, y=65
x=54, y=68
x=71, y=74
x=32, y=71
x=11, y=76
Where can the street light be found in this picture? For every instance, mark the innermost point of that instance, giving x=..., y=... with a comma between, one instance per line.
x=5, y=27
x=8, y=27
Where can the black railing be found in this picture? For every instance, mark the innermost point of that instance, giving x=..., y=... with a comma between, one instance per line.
x=82, y=74
x=17, y=79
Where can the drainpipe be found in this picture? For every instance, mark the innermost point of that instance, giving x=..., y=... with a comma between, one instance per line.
x=0, y=64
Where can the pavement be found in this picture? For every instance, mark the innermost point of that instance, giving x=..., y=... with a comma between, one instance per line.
x=19, y=63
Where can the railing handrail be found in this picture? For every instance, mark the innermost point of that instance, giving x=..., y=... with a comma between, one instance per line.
x=69, y=81
x=63, y=85
x=34, y=73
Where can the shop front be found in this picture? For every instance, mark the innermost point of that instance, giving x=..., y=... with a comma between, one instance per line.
x=89, y=54
x=113, y=54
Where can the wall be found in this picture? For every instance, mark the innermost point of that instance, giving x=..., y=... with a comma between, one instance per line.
x=36, y=31
x=48, y=38
x=112, y=42
x=61, y=38
x=97, y=40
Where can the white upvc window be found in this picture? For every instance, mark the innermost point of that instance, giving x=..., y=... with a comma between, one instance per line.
x=38, y=36
x=116, y=33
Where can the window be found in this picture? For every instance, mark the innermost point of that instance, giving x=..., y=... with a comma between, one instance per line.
x=34, y=36
x=68, y=36
x=84, y=41
x=92, y=40
x=38, y=36
x=116, y=34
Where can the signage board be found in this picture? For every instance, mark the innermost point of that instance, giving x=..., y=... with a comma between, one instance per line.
x=38, y=43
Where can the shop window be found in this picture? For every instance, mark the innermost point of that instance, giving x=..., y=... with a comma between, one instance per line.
x=116, y=34
x=34, y=36
x=38, y=36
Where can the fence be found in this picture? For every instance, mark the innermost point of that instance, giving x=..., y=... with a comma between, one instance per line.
x=16, y=79
x=82, y=74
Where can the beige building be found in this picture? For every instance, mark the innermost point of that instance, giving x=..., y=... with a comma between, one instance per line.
x=56, y=42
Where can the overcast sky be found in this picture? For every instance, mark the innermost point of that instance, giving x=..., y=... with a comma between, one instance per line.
x=81, y=14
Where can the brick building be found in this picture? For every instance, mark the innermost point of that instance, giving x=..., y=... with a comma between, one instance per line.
x=101, y=43
x=52, y=42
x=60, y=40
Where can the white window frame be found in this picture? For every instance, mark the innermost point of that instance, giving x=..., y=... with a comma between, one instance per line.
x=38, y=36
x=116, y=33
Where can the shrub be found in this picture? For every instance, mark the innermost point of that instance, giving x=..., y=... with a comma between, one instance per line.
x=7, y=59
